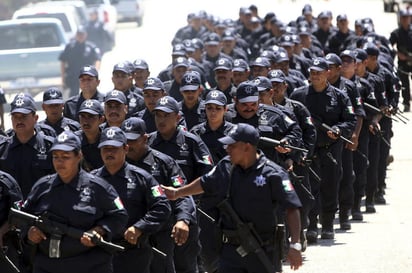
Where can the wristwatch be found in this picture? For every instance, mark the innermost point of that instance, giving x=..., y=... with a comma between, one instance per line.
x=296, y=246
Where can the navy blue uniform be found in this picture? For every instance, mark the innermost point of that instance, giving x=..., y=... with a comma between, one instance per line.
x=148, y=210
x=135, y=102
x=254, y=194
x=63, y=124
x=195, y=115
x=332, y=107
x=167, y=172
x=149, y=120
x=27, y=162
x=84, y=203
x=91, y=153
x=72, y=105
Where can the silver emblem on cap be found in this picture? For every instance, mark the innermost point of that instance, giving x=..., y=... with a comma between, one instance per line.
x=115, y=93
x=150, y=81
x=53, y=94
x=214, y=94
x=88, y=103
x=163, y=101
x=316, y=62
x=110, y=133
x=128, y=125
x=62, y=137
x=189, y=78
x=248, y=89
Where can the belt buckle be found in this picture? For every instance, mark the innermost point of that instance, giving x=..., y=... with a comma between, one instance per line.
x=54, y=247
x=225, y=239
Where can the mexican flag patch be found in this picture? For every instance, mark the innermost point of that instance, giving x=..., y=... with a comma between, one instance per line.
x=157, y=191
x=207, y=159
x=118, y=203
x=287, y=185
x=177, y=181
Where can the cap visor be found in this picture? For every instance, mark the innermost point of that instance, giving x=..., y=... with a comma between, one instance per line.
x=221, y=68
x=189, y=88
x=214, y=102
x=22, y=110
x=211, y=43
x=227, y=140
x=116, y=99
x=249, y=99
x=89, y=111
x=164, y=109
x=88, y=73
x=114, y=143
x=62, y=147
x=239, y=69
x=132, y=136
x=316, y=68
x=277, y=80
x=53, y=102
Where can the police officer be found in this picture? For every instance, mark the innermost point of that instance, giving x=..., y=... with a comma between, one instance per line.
x=89, y=81
x=215, y=126
x=172, y=87
x=77, y=54
x=79, y=200
x=240, y=71
x=194, y=159
x=140, y=74
x=10, y=197
x=192, y=106
x=115, y=108
x=53, y=107
x=223, y=77
x=148, y=209
x=2, y=102
x=241, y=177
x=90, y=116
x=167, y=172
x=25, y=155
x=330, y=106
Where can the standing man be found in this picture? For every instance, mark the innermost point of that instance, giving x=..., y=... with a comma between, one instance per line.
x=329, y=106
x=147, y=208
x=89, y=81
x=238, y=181
x=77, y=54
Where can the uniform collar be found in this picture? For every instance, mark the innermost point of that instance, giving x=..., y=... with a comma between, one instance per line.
x=120, y=173
x=178, y=138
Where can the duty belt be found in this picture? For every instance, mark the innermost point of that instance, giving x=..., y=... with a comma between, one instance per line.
x=231, y=237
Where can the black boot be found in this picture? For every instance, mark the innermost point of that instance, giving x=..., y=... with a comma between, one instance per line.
x=356, y=211
x=370, y=204
x=327, y=226
x=344, y=219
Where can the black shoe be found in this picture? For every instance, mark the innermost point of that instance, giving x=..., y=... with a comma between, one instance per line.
x=312, y=236
x=379, y=199
x=345, y=225
x=406, y=108
x=370, y=208
x=357, y=216
x=327, y=234
x=303, y=240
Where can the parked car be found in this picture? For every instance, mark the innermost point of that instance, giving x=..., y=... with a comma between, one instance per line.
x=29, y=53
x=396, y=5
x=129, y=10
x=67, y=14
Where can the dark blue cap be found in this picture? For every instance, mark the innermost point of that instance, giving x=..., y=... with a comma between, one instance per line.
x=332, y=58
x=281, y=56
x=286, y=40
x=179, y=50
x=23, y=103
x=126, y=67
x=307, y=9
x=89, y=70
x=360, y=54
x=153, y=84
x=180, y=62
x=262, y=83
x=404, y=12
x=371, y=49
x=228, y=35
x=212, y=39
x=140, y=64
x=167, y=104
x=189, y=47
x=348, y=53
x=53, y=95
x=325, y=14
x=197, y=43
x=223, y=64
x=93, y=107
x=341, y=17
x=216, y=97
x=260, y=61
x=112, y=136
x=247, y=92
x=241, y=132
x=319, y=64
x=190, y=81
x=240, y=65
x=116, y=95
x=67, y=141
x=133, y=128
x=276, y=75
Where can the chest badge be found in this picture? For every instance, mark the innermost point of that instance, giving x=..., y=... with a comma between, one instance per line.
x=260, y=181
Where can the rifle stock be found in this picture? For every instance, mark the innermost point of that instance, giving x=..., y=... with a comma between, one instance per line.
x=284, y=145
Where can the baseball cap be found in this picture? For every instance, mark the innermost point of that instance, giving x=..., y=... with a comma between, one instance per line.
x=212, y=39
x=140, y=64
x=112, y=136
x=228, y=35
x=67, y=141
x=404, y=12
x=197, y=43
x=371, y=49
x=332, y=58
x=89, y=70
x=325, y=14
x=81, y=29
x=262, y=83
x=133, y=128
x=116, y=95
x=53, y=95
x=190, y=81
x=180, y=62
x=348, y=53
x=281, y=56
x=276, y=75
x=360, y=54
x=153, y=83
x=241, y=132
x=91, y=106
x=167, y=104
x=189, y=47
x=126, y=67
x=286, y=40
x=216, y=97
x=342, y=17
x=223, y=64
x=240, y=65
x=307, y=9
x=260, y=61
x=22, y=103
x=179, y=50
x=319, y=64
x=247, y=92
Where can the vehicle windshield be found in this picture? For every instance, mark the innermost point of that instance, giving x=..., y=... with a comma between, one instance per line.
x=28, y=36
x=61, y=16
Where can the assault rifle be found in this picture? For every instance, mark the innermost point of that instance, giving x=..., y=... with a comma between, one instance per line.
x=336, y=133
x=56, y=229
x=379, y=111
x=249, y=239
x=282, y=144
x=4, y=260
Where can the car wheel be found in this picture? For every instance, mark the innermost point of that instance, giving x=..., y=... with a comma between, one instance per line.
x=139, y=21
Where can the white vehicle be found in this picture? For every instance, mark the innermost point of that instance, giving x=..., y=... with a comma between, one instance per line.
x=29, y=53
x=129, y=10
x=66, y=14
x=107, y=12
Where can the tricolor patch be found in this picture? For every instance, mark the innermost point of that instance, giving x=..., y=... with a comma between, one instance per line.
x=287, y=185
x=359, y=101
x=309, y=120
x=157, y=191
x=350, y=110
x=177, y=181
x=207, y=160
x=118, y=203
